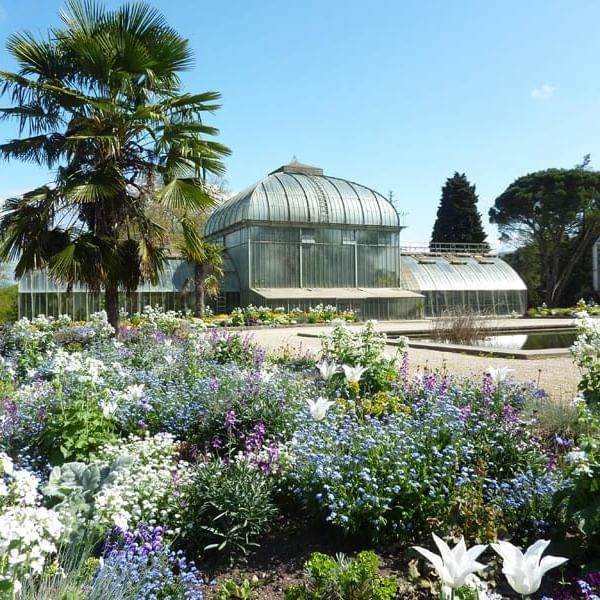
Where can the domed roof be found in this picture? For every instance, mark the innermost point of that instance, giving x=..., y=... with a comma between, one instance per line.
x=300, y=194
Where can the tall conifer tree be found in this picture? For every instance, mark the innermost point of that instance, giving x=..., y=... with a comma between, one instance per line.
x=458, y=220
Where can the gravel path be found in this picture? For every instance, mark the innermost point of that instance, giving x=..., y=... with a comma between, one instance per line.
x=557, y=375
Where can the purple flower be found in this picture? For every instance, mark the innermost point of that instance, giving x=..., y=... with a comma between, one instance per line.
x=488, y=387
x=214, y=384
x=230, y=420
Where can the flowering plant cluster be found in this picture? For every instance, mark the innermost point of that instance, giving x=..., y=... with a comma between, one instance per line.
x=140, y=564
x=523, y=572
x=586, y=353
x=29, y=532
x=391, y=475
x=153, y=319
x=357, y=358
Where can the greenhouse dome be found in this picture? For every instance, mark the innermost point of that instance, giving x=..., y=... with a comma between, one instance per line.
x=300, y=194
x=298, y=238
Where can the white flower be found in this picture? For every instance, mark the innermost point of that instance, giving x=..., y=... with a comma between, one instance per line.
x=524, y=573
x=108, y=408
x=453, y=566
x=319, y=407
x=134, y=393
x=353, y=374
x=499, y=374
x=327, y=370
x=7, y=464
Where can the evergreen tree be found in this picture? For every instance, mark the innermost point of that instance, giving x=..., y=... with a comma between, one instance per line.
x=458, y=220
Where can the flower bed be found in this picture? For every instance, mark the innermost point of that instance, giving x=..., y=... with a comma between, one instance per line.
x=172, y=445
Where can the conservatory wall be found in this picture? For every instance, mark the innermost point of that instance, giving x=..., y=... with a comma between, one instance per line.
x=311, y=258
x=483, y=284
x=40, y=294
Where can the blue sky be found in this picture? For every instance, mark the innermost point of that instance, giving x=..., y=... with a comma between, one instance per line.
x=394, y=94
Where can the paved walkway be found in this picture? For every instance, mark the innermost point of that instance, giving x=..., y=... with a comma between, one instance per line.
x=558, y=375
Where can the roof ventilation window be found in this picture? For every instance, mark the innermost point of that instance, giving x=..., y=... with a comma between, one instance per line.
x=298, y=168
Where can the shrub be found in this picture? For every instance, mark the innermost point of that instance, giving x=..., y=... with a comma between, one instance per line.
x=586, y=353
x=460, y=326
x=579, y=499
x=228, y=508
x=364, y=347
x=9, y=303
x=344, y=579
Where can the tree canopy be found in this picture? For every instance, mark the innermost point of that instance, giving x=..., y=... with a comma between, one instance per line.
x=458, y=220
x=557, y=211
x=99, y=102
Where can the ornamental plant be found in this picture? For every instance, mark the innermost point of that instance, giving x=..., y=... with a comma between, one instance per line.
x=148, y=489
x=578, y=500
x=29, y=532
x=228, y=508
x=344, y=579
x=80, y=416
x=586, y=353
x=390, y=476
x=140, y=564
x=364, y=348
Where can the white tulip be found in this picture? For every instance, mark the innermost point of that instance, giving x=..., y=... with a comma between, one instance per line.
x=327, y=370
x=108, y=408
x=453, y=566
x=353, y=374
x=134, y=393
x=524, y=572
x=499, y=374
x=319, y=407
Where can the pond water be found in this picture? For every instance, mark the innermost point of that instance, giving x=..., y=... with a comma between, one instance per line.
x=530, y=340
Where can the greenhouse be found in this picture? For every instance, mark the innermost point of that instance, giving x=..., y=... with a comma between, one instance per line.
x=460, y=282
x=40, y=294
x=298, y=238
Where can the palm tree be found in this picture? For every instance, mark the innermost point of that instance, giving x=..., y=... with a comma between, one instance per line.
x=207, y=262
x=99, y=103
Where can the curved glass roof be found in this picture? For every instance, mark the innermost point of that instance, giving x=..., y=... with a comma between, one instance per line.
x=428, y=273
x=299, y=194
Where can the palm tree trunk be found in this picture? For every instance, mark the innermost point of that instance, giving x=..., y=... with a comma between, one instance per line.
x=199, y=292
x=111, y=303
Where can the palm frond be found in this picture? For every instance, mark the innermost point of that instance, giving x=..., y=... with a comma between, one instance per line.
x=184, y=194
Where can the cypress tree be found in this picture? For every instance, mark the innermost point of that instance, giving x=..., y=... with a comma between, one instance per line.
x=458, y=220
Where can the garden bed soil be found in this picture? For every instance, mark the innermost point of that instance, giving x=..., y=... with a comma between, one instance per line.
x=279, y=562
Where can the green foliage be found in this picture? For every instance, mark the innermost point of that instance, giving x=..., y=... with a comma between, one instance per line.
x=9, y=304
x=555, y=212
x=364, y=347
x=234, y=347
x=76, y=427
x=458, y=220
x=230, y=590
x=73, y=487
x=578, y=502
x=344, y=579
x=228, y=508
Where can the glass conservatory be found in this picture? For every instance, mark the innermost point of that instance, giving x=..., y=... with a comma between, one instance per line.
x=464, y=282
x=299, y=238
x=40, y=294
